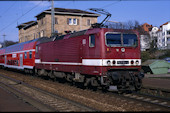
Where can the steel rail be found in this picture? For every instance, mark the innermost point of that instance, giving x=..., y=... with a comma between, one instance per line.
x=63, y=100
x=37, y=104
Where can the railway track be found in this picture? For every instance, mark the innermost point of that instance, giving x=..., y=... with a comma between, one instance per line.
x=162, y=103
x=153, y=102
x=108, y=101
x=41, y=99
x=159, y=92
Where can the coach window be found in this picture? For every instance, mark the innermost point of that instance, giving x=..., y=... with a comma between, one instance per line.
x=25, y=55
x=30, y=54
x=92, y=40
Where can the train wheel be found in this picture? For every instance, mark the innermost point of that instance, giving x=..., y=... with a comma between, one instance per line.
x=138, y=84
x=104, y=89
x=94, y=83
x=80, y=85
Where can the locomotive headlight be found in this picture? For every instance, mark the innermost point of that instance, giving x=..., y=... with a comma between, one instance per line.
x=113, y=62
x=137, y=62
x=108, y=62
x=132, y=62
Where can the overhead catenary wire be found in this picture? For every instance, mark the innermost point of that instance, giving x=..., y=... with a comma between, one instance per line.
x=5, y=12
x=19, y=17
x=108, y=5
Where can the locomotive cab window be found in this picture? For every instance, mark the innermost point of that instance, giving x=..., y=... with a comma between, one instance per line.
x=119, y=40
x=113, y=39
x=130, y=40
x=92, y=40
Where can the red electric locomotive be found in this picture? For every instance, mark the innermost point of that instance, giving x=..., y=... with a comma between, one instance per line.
x=97, y=57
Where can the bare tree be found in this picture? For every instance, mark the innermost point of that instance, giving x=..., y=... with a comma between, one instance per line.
x=8, y=43
x=123, y=25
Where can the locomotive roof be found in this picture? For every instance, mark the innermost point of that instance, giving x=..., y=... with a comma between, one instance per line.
x=79, y=33
x=45, y=39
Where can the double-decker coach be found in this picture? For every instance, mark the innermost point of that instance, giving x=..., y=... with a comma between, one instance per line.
x=19, y=56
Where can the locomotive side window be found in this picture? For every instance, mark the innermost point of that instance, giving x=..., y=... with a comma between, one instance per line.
x=30, y=54
x=36, y=49
x=92, y=40
x=113, y=39
x=130, y=40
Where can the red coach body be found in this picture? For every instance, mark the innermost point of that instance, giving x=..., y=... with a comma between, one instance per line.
x=19, y=56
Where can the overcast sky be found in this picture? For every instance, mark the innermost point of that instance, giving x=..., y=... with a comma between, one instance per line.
x=13, y=13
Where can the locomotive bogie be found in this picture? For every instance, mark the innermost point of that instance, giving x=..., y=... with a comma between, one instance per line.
x=125, y=79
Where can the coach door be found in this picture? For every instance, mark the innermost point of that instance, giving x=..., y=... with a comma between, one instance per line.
x=5, y=60
x=21, y=59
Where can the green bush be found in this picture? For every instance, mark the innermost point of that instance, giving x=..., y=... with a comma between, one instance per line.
x=167, y=54
x=145, y=55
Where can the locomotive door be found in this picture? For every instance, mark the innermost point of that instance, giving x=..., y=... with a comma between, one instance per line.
x=83, y=48
x=21, y=59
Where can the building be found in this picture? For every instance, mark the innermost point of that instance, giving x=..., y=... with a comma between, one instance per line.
x=164, y=36
x=159, y=39
x=65, y=20
x=144, y=42
x=146, y=27
x=153, y=35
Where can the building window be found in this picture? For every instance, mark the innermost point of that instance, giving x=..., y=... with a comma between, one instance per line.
x=69, y=21
x=72, y=21
x=34, y=36
x=92, y=40
x=42, y=21
x=38, y=34
x=56, y=20
x=88, y=22
x=26, y=38
x=168, y=32
x=168, y=39
x=42, y=33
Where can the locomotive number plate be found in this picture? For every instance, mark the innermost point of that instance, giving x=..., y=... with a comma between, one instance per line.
x=122, y=62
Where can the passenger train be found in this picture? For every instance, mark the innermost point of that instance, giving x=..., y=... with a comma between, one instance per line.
x=97, y=57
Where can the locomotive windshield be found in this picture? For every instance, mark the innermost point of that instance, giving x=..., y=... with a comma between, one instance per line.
x=126, y=40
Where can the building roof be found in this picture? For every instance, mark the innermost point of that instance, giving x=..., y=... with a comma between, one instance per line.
x=165, y=23
x=59, y=11
x=147, y=27
x=29, y=25
x=146, y=24
x=25, y=24
x=75, y=12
